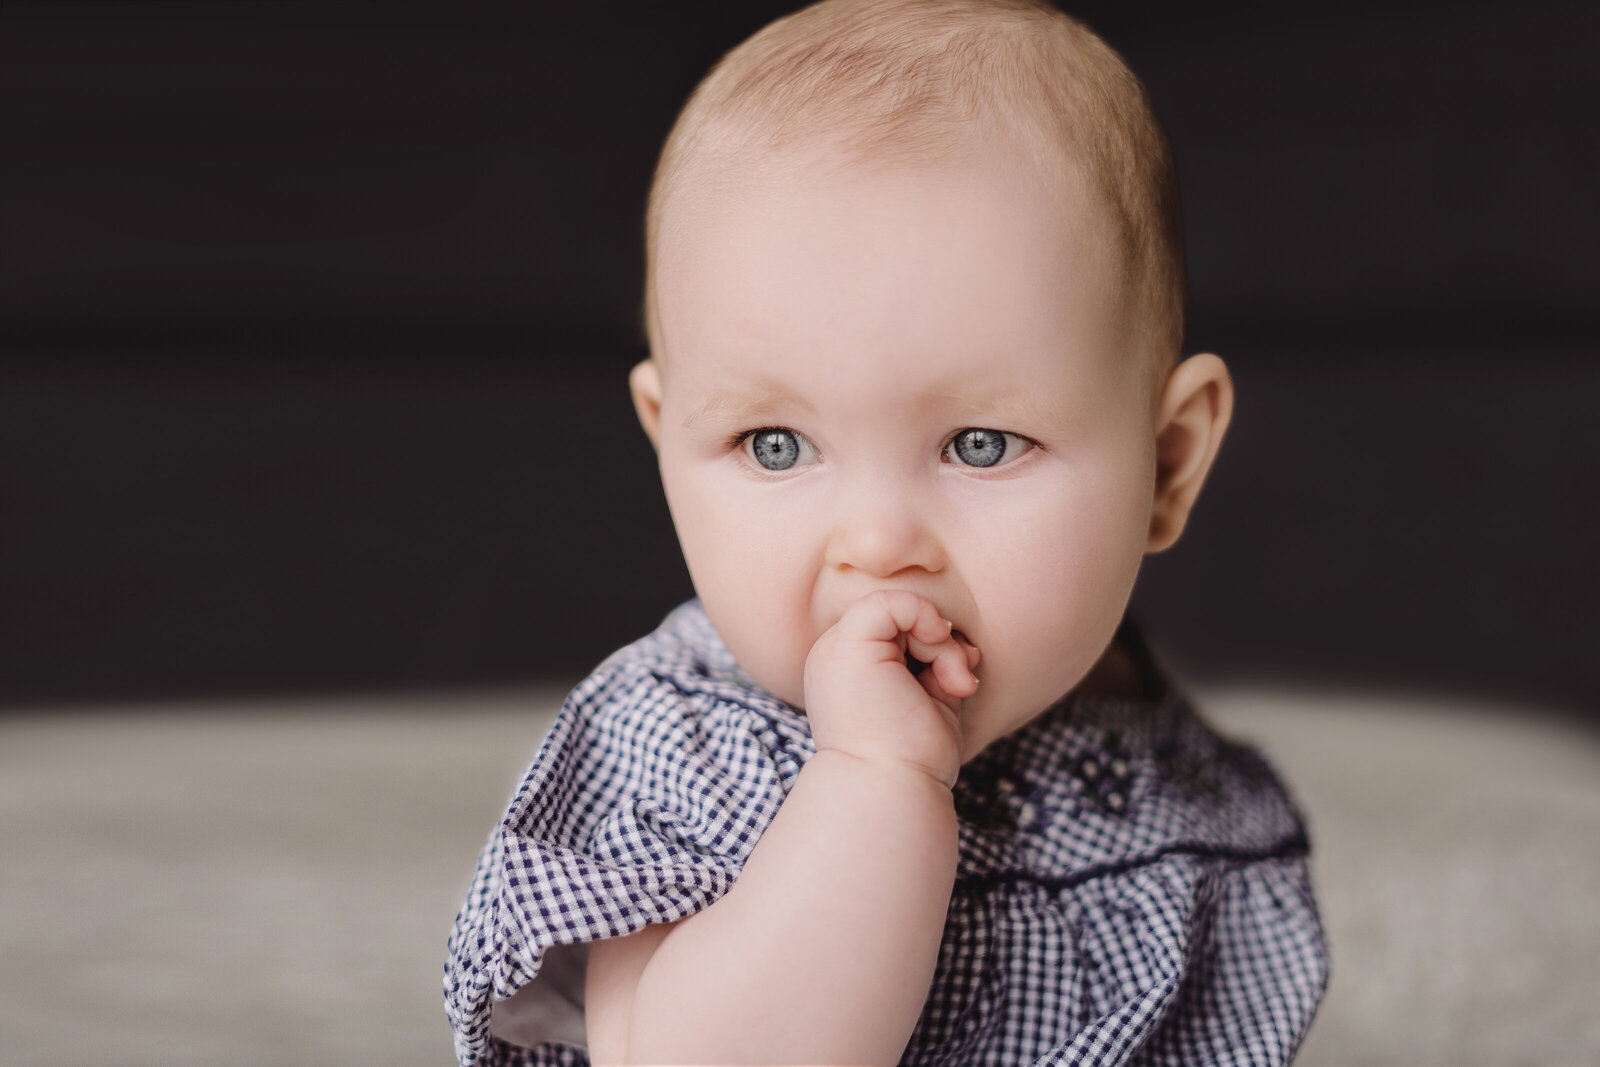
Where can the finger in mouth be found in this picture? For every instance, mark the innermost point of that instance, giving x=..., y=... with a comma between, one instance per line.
x=917, y=666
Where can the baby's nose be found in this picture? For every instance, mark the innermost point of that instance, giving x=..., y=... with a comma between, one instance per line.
x=881, y=535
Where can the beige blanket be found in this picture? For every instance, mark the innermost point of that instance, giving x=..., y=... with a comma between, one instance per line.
x=274, y=883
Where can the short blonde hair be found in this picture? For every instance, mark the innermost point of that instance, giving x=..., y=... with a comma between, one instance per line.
x=910, y=79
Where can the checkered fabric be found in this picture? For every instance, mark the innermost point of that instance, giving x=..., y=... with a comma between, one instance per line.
x=1132, y=888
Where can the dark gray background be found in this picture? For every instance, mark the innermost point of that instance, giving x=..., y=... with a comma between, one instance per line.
x=314, y=323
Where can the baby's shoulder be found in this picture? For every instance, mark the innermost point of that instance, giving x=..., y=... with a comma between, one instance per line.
x=1111, y=784
x=679, y=686
x=1203, y=788
x=659, y=732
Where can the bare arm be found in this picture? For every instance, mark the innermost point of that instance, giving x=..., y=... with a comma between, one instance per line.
x=824, y=950
x=612, y=974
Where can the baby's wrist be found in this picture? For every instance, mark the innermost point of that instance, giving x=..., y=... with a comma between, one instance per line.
x=893, y=767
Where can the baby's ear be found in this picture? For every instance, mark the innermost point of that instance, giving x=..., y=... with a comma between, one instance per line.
x=1192, y=416
x=644, y=382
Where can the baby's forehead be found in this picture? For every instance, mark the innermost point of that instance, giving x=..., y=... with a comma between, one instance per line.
x=823, y=207
x=977, y=168
x=964, y=263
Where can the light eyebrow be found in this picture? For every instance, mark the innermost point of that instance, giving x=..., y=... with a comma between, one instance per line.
x=729, y=405
x=1005, y=409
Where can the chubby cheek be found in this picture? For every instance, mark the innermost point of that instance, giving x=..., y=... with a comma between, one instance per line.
x=1051, y=597
x=750, y=568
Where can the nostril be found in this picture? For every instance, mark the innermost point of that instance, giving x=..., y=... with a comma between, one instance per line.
x=882, y=545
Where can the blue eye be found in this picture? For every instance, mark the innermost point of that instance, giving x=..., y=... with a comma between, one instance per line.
x=777, y=448
x=977, y=447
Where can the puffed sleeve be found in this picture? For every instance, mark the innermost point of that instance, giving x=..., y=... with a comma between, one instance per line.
x=640, y=807
x=1255, y=971
x=1202, y=960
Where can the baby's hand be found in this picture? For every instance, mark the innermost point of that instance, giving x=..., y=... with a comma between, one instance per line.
x=862, y=698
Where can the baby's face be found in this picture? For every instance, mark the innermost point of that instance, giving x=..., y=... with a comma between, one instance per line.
x=914, y=378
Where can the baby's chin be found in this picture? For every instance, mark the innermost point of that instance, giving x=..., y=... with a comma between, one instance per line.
x=779, y=671
x=785, y=682
x=997, y=710
x=980, y=727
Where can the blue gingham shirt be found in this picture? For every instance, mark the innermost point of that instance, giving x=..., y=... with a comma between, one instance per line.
x=1131, y=889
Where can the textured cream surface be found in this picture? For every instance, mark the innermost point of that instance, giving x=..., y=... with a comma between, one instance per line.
x=273, y=882
x=1456, y=853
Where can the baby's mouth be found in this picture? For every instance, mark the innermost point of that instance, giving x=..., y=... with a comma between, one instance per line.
x=917, y=666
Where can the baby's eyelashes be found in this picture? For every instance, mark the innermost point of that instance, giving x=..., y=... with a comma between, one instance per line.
x=778, y=448
x=977, y=446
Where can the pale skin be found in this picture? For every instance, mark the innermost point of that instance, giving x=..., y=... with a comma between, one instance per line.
x=825, y=348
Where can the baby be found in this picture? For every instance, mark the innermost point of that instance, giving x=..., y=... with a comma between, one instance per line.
x=902, y=785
